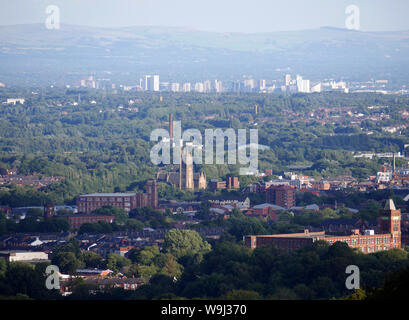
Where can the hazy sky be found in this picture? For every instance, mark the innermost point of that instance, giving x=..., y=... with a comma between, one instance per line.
x=213, y=15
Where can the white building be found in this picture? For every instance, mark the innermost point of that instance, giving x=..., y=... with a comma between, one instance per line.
x=316, y=87
x=262, y=84
x=175, y=87
x=218, y=86
x=164, y=86
x=248, y=85
x=303, y=86
x=152, y=83
x=287, y=79
x=199, y=87
x=207, y=86
x=186, y=87
x=20, y=255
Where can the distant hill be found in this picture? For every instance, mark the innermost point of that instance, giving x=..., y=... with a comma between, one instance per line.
x=30, y=52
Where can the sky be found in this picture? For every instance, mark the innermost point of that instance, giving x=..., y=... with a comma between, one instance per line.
x=248, y=16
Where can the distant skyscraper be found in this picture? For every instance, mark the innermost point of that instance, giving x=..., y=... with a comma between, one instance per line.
x=175, y=86
x=303, y=85
x=236, y=86
x=262, y=85
x=151, y=83
x=199, y=87
x=218, y=86
x=146, y=85
x=155, y=85
x=207, y=86
x=248, y=85
x=89, y=82
x=186, y=87
x=287, y=79
x=306, y=86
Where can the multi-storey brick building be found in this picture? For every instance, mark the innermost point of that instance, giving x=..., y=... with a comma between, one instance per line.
x=283, y=196
x=369, y=242
x=127, y=201
x=89, y=202
x=233, y=182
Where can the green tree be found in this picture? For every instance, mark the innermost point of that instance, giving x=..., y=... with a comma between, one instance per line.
x=67, y=262
x=116, y=262
x=182, y=243
x=3, y=267
x=241, y=295
x=91, y=259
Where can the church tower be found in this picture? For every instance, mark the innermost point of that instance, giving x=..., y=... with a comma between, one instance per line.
x=189, y=170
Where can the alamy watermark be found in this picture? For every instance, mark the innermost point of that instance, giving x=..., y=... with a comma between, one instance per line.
x=188, y=147
x=353, y=21
x=53, y=17
x=352, y=281
x=53, y=280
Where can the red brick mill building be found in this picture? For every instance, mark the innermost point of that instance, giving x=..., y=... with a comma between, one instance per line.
x=127, y=201
x=388, y=237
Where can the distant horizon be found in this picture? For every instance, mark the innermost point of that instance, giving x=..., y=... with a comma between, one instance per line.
x=203, y=30
x=221, y=16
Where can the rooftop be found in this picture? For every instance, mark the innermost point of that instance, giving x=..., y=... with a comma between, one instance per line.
x=108, y=195
x=390, y=205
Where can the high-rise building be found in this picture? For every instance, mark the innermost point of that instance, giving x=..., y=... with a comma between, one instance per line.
x=236, y=87
x=283, y=196
x=152, y=83
x=88, y=82
x=303, y=85
x=207, y=86
x=218, y=86
x=306, y=86
x=287, y=79
x=186, y=87
x=147, y=80
x=175, y=87
x=199, y=87
x=248, y=85
x=262, y=85
x=156, y=83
